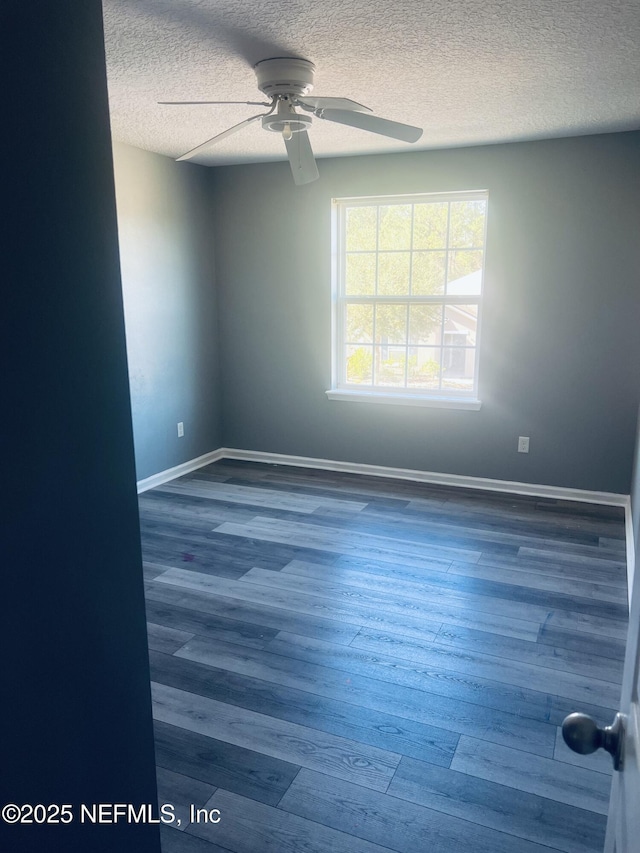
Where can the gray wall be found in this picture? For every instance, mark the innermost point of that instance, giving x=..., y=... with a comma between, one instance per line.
x=76, y=707
x=166, y=252
x=560, y=350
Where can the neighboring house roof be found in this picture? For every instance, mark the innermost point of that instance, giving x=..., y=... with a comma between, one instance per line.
x=467, y=285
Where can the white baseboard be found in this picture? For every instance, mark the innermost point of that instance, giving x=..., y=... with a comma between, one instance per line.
x=178, y=471
x=508, y=486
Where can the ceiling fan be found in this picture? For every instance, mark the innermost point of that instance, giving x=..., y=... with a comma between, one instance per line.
x=287, y=83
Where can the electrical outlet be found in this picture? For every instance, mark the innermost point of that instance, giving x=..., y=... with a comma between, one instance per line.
x=181, y=430
x=523, y=444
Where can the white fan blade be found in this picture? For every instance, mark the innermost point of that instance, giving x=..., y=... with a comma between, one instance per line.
x=333, y=103
x=249, y=103
x=220, y=136
x=303, y=164
x=405, y=132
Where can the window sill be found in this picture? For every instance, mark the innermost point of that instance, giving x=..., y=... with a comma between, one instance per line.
x=342, y=395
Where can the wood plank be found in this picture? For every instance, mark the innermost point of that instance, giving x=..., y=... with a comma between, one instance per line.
x=371, y=522
x=419, y=589
x=527, y=514
x=614, y=592
x=564, y=660
x=492, y=530
x=496, y=582
x=291, y=477
x=550, y=510
x=260, y=497
x=478, y=666
x=222, y=555
x=559, y=708
x=260, y=615
x=610, y=544
x=332, y=488
x=344, y=541
x=181, y=792
x=336, y=756
x=353, y=614
x=250, y=827
x=461, y=675
x=555, y=568
x=398, y=825
x=616, y=566
x=595, y=644
x=206, y=625
x=575, y=551
x=438, y=567
x=584, y=510
x=201, y=558
x=616, y=628
x=534, y=774
x=162, y=513
x=174, y=841
x=451, y=714
x=372, y=727
x=434, y=609
x=219, y=764
x=481, y=595
x=484, y=595
x=529, y=816
x=152, y=570
x=165, y=639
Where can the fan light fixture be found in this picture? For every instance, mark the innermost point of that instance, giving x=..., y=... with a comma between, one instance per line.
x=288, y=81
x=286, y=120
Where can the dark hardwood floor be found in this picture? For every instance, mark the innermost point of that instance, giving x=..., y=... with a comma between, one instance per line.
x=359, y=665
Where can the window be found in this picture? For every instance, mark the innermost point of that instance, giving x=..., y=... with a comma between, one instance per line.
x=407, y=298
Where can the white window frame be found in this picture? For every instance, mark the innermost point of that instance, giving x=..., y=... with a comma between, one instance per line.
x=342, y=390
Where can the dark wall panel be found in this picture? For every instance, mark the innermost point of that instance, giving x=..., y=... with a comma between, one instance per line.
x=75, y=702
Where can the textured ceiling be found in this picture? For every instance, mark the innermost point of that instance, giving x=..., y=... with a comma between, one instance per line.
x=467, y=71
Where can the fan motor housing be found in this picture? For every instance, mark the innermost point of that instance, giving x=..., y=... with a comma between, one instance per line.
x=285, y=76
